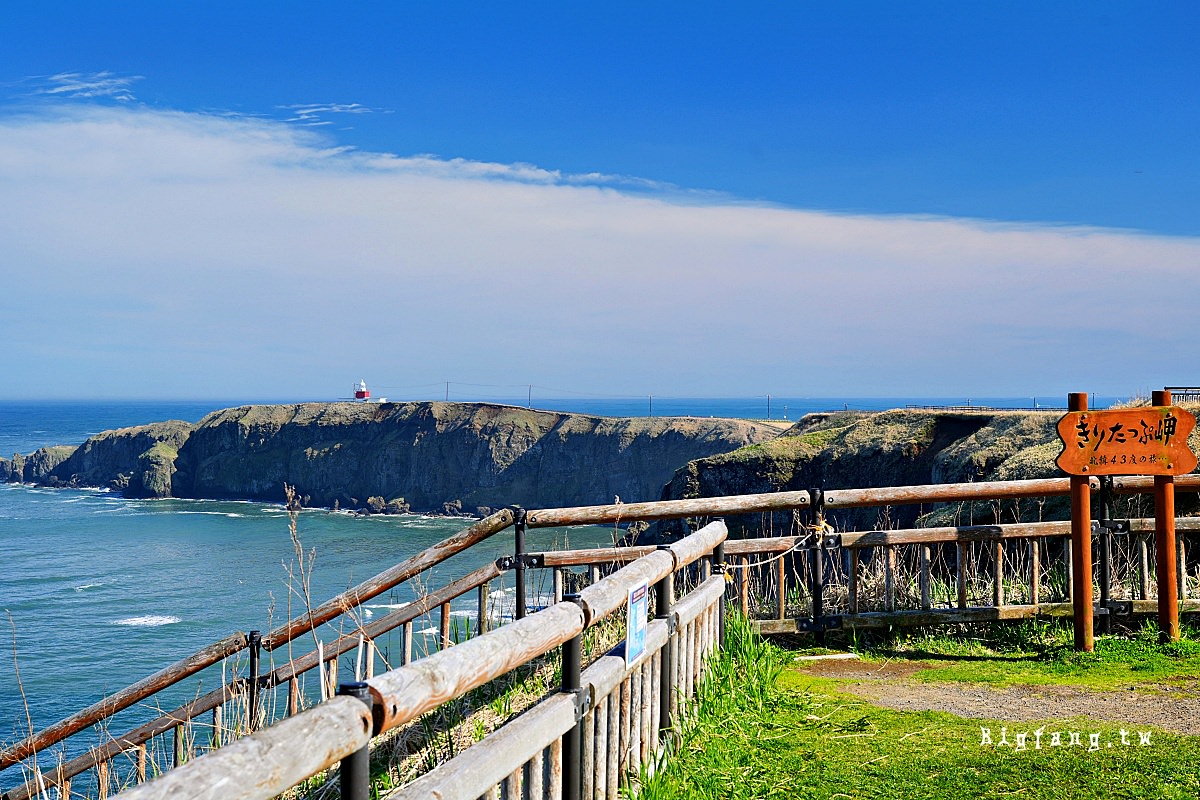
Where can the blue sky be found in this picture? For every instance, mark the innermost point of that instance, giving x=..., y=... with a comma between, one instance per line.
x=796, y=198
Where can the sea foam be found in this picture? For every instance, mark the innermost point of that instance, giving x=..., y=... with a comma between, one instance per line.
x=148, y=621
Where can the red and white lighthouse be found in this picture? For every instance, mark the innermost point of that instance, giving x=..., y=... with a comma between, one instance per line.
x=361, y=392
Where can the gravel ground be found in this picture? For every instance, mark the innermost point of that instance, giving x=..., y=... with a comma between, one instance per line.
x=1173, y=708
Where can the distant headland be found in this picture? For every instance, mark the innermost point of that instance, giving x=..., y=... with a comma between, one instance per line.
x=427, y=457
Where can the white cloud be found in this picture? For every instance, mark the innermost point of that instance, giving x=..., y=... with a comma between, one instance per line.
x=84, y=85
x=313, y=114
x=185, y=254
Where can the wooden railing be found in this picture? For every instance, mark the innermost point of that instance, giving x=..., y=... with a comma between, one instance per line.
x=799, y=583
x=891, y=578
x=271, y=761
x=244, y=692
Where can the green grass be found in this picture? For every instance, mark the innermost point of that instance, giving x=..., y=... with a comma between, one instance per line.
x=766, y=731
x=1035, y=653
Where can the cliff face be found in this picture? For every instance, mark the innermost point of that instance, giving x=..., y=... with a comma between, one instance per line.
x=138, y=461
x=37, y=467
x=433, y=454
x=890, y=448
x=436, y=456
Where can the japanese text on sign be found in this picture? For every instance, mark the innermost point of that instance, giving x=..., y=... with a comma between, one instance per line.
x=1131, y=441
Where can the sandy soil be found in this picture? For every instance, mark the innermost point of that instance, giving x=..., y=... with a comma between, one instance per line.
x=1174, y=708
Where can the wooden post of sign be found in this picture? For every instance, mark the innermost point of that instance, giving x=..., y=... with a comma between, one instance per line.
x=1164, y=547
x=1081, y=546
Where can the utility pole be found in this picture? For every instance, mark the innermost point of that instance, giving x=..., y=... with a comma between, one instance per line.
x=529, y=398
x=447, y=391
x=652, y=405
x=768, y=408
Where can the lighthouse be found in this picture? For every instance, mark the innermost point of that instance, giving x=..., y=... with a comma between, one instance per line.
x=361, y=392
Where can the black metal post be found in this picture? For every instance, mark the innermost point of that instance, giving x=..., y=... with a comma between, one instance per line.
x=817, y=571
x=519, y=562
x=355, y=771
x=254, y=642
x=1105, y=515
x=663, y=599
x=572, y=669
x=718, y=566
x=817, y=579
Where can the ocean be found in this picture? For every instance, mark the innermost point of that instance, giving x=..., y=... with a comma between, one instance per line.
x=98, y=591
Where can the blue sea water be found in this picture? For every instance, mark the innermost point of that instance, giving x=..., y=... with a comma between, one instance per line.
x=98, y=591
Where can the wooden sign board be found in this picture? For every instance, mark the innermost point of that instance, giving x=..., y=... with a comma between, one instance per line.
x=1127, y=441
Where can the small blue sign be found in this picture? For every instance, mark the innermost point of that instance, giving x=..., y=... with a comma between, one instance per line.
x=639, y=613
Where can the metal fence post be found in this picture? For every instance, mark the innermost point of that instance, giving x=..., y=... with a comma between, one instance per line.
x=519, y=562
x=254, y=642
x=663, y=599
x=718, y=568
x=1105, y=530
x=354, y=775
x=817, y=571
x=572, y=755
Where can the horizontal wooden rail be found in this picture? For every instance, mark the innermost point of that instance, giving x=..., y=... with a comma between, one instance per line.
x=377, y=628
x=667, y=509
x=839, y=498
x=124, y=699
x=271, y=760
x=597, y=555
x=138, y=736
x=988, y=490
x=963, y=533
x=373, y=587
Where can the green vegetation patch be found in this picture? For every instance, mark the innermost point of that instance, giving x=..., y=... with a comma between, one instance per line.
x=1037, y=653
x=821, y=438
x=765, y=731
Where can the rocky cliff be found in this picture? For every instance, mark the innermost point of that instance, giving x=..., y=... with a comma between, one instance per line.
x=441, y=457
x=895, y=448
x=890, y=448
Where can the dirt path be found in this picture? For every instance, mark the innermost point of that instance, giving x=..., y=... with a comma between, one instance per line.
x=1173, y=708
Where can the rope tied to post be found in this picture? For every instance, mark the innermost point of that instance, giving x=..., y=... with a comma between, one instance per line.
x=813, y=535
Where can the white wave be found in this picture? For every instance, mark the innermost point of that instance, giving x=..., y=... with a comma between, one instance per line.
x=87, y=586
x=387, y=605
x=148, y=621
x=430, y=631
x=230, y=514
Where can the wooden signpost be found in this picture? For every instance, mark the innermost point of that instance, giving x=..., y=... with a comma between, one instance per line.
x=1152, y=440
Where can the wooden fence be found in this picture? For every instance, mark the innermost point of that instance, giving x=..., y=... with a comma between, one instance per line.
x=816, y=581
x=274, y=760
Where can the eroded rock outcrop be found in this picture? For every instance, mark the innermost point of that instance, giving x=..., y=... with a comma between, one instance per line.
x=891, y=448
x=443, y=457
x=138, y=461
x=37, y=467
x=431, y=457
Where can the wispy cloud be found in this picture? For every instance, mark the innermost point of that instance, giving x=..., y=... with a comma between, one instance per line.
x=315, y=114
x=244, y=257
x=83, y=85
x=520, y=172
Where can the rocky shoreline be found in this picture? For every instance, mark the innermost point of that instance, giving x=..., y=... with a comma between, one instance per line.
x=469, y=459
x=432, y=457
